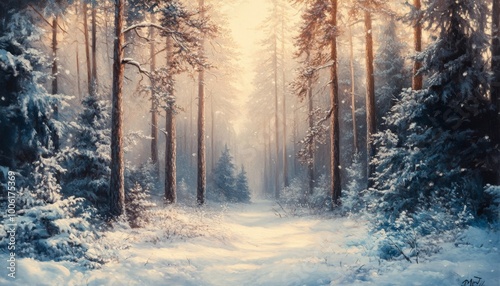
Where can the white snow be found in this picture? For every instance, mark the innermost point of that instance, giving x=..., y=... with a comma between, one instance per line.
x=251, y=245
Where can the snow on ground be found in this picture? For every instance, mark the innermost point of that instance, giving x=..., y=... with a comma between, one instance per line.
x=251, y=245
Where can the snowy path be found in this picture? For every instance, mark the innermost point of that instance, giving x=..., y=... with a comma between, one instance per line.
x=250, y=245
x=264, y=248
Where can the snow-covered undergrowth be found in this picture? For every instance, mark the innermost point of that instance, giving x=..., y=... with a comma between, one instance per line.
x=245, y=244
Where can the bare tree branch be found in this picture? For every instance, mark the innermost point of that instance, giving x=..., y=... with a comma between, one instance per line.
x=45, y=20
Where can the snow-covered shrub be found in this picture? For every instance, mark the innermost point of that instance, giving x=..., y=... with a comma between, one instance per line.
x=493, y=210
x=146, y=174
x=49, y=226
x=137, y=205
x=321, y=198
x=293, y=195
x=185, y=194
x=353, y=200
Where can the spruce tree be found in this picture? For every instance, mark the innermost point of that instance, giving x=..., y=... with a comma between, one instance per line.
x=242, y=189
x=88, y=160
x=390, y=73
x=224, y=180
x=432, y=160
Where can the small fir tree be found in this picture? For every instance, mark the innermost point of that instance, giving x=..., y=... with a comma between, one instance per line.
x=242, y=189
x=137, y=203
x=88, y=160
x=223, y=177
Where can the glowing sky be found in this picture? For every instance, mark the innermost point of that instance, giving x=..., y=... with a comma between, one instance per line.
x=244, y=17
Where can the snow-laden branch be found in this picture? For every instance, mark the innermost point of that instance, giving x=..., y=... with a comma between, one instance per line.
x=147, y=25
x=159, y=27
x=130, y=61
x=327, y=65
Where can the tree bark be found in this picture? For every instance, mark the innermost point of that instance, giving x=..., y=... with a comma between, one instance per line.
x=353, y=93
x=334, y=119
x=212, y=131
x=272, y=170
x=310, y=119
x=54, y=55
x=310, y=165
x=154, y=108
x=202, y=176
x=94, y=49
x=55, y=107
x=295, y=135
x=170, y=150
x=495, y=82
x=276, y=110
x=370, y=96
x=191, y=124
x=266, y=172
x=283, y=83
x=78, y=58
x=87, y=44
x=117, y=194
x=417, y=45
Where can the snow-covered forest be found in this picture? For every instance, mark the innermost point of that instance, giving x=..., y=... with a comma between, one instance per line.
x=240, y=142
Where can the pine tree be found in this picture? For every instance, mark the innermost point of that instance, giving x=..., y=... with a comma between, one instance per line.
x=223, y=177
x=321, y=31
x=432, y=160
x=88, y=161
x=242, y=189
x=138, y=202
x=27, y=120
x=390, y=73
x=49, y=225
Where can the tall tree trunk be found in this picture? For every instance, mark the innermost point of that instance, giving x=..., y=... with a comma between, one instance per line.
x=202, y=176
x=55, y=107
x=117, y=194
x=78, y=58
x=283, y=84
x=417, y=45
x=212, y=130
x=106, y=29
x=272, y=170
x=495, y=83
x=276, y=111
x=266, y=172
x=78, y=72
x=94, y=49
x=191, y=124
x=334, y=119
x=353, y=93
x=54, y=55
x=370, y=97
x=295, y=134
x=310, y=119
x=154, y=108
x=87, y=45
x=170, y=150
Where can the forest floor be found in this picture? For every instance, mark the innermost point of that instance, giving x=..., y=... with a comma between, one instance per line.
x=261, y=244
